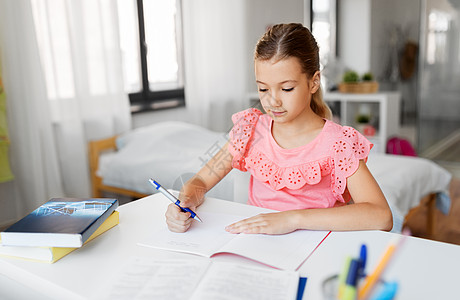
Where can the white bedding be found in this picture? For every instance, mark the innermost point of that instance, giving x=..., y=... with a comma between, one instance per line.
x=404, y=180
x=170, y=152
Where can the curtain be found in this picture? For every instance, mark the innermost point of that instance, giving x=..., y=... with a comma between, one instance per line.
x=5, y=170
x=215, y=61
x=32, y=148
x=63, y=79
x=79, y=44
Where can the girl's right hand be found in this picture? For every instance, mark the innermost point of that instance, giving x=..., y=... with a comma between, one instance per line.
x=177, y=220
x=193, y=191
x=191, y=196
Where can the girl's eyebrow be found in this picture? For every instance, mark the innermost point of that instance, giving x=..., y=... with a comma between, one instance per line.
x=285, y=81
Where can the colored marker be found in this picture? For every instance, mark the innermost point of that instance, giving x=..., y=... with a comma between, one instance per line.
x=173, y=199
x=373, y=278
x=349, y=291
x=343, y=277
x=362, y=259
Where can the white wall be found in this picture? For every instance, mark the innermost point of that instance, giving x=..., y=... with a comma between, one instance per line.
x=262, y=13
x=365, y=31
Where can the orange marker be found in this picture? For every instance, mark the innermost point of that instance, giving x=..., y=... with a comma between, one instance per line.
x=373, y=278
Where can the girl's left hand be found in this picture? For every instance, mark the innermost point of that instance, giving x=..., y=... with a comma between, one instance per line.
x=271, y=223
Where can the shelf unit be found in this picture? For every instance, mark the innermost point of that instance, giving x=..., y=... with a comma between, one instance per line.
x=384, y=108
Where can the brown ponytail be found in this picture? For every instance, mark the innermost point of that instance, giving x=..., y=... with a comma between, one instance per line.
x=294, y=40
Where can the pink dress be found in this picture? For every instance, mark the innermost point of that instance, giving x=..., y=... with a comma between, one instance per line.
x=310, y=176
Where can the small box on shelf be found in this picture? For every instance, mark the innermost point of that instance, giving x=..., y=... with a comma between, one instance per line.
x=365, y=87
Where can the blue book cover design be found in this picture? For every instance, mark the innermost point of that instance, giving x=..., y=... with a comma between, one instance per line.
x=66, y=216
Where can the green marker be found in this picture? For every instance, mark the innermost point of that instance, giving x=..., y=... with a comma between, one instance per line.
x=343, y=277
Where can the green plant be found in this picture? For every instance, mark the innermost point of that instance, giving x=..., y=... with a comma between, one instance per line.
x=350, y=76
x=363, y=119
x=368, y=76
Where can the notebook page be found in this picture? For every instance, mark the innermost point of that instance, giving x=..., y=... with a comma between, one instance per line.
x=202, y=238
x=229, y=281
x=177, y=279
x=286, y=251
x=150, y=278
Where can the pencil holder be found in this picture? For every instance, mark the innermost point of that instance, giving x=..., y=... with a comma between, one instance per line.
x=330, y=288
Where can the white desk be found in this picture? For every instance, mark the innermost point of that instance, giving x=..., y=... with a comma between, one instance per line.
x=424, y=269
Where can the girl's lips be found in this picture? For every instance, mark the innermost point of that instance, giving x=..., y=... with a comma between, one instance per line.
x=278, y=113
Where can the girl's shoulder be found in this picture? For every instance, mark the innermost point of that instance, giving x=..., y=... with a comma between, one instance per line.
x=346, y=139
x=244, y=124
x=247, y=116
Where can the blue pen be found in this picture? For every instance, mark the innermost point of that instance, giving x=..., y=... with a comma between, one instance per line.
x=362, y=258
x=174, y=199
x=349, y=291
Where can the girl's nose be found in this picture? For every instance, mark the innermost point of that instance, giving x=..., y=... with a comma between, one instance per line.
x=274, y=99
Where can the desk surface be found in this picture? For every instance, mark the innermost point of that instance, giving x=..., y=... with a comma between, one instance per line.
x=424, y=269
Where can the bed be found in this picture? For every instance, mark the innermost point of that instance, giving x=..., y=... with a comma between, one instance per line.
x=171, y=152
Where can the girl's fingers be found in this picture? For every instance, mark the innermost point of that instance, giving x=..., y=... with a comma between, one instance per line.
x=251, y=225
x=271, y=223
x=177, y=220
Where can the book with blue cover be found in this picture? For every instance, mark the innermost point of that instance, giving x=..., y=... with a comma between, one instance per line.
x=60, y=222
x=53, y=254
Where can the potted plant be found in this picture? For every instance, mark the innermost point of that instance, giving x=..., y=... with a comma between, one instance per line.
x=353, y=83
x=364, y=126
x=363, y=119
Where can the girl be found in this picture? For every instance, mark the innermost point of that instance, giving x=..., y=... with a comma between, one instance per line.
x=301, y=163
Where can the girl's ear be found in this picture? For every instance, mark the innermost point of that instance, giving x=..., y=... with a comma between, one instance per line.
x=316, y=82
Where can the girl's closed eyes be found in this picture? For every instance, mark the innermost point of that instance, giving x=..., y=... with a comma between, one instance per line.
x=284, y=90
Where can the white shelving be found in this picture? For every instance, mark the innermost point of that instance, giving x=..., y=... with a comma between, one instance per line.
x=384, y=108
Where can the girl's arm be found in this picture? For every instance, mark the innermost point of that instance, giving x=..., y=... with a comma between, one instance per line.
x=370, y=211
x=193, y=191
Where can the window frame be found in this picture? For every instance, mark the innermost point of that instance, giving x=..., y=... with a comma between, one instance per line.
x=146, y=99
x=335, y=44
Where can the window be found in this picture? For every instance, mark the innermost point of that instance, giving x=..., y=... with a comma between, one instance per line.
x=78, y=50
x=324, y=27
x=438, y=28
x=151, y=42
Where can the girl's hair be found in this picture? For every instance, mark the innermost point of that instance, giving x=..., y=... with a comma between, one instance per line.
x=294, y=40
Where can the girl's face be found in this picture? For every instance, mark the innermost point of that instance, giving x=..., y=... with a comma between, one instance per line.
x=284, y=90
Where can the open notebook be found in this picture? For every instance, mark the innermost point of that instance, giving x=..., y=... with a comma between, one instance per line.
x=150, y=278
x=287, y=251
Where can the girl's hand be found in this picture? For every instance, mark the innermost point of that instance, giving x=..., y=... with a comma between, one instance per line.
x=194, y=190
x=191, y=196
x=271, y=223
x=177, y=220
